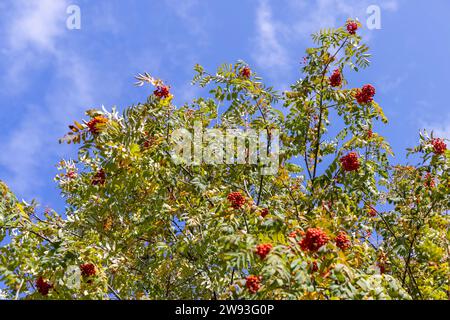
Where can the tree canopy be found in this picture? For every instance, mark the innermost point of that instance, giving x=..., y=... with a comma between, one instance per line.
x=337, y=220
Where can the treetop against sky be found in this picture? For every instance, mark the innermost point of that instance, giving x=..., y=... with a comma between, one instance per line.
x=89, y=52
x=333, y=218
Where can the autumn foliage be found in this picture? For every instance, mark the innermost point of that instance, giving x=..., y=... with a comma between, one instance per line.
x=339, y=220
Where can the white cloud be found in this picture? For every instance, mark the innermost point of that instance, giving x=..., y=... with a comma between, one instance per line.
x=441, y=128
x=388, y=83
x=311, y=16
x=187, y=11
x=269, y=52
x=37, y=24
x=31, y=30
x=22, y=150
x=33, y=142
x=276, y=35
x=390, y=5
x=35, y=33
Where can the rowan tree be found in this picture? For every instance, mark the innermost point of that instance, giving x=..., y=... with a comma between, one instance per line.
x=337, y=221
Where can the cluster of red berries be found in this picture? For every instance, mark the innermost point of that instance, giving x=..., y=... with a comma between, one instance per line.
x=162, y=92
x=262, y=250
x=352, y=27
x=382, y=262
x=314, y=267
x=149, y=142
x=365, y=94
x=382, y=267
x=372, y=212
x=96, y=124
x=264, y=212
x=236, y=199
x=369, y=134
x=99, y=178
x=342, y=241
x=336, y=78
x=293, y=234
x=43, y=286
x=253, y=283
x=439, y=146
x=88, y=270
x=350, y=162
x=107, y=223
x=245, y=72
x=429, y=181
x=71, y=174
x=314, y=239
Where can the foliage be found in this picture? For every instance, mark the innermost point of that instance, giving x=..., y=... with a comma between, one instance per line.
x=149, y=228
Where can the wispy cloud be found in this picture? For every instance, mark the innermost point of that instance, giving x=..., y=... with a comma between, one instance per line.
x=388, y=83
x=37, y=24
x=187, y=11
x=276, y=34
x=31, y=30
x=440, y=128
x=35, y=31
x=34, y=140
x=317, y=14
x=269, y=50
x=390, y=5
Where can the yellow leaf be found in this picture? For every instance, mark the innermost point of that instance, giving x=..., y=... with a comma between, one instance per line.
x=78, y=125
x=22, y=212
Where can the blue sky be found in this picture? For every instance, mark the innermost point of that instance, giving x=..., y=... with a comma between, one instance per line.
x=51, y=74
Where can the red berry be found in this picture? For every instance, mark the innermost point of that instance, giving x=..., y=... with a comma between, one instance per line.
x=439, y=146
x=429, y=181
x=99, y=178
x=372, y=212
x=149, y=142
x=314, y=267
x=71, y=174
x=350, y=162
x=264, y=212
x=336, y=78
x=369, y=134
x=293, y=234
x=382, y=262
x=162, y=92
x=245, y=72
x=236, y=199
x=365, y=94
x=253, y=283
x=96, y=124
x=88, y=270
x=352, y=27
x=263, y=250
x=342, y=241
x=382, y=267
x=314, y=239
x=43, y=286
